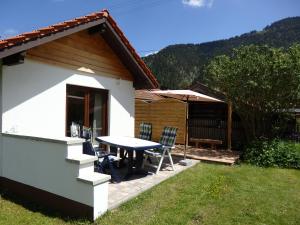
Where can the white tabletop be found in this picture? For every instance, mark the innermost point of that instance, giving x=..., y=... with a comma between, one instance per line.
x=129, y=143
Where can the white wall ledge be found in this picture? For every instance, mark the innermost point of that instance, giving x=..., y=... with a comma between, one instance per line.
x=94, y=178
x=82, y=159
x=58, y=140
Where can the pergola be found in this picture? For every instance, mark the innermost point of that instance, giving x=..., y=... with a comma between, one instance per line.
x=189, y=96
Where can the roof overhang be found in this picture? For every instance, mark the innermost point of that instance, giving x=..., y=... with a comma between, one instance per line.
x=143, y=78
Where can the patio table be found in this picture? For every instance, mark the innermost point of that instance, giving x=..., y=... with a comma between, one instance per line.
x=130, y=144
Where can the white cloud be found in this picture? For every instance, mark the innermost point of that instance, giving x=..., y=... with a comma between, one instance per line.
x=150, y=53
x=198, y=3
x=9, y=32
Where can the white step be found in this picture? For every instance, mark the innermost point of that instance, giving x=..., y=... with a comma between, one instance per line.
x=81, y=159
x=94, y=178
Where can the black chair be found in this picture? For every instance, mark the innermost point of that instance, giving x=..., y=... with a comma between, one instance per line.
x=105, y=160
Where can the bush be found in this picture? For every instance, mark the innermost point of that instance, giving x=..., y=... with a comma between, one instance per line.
x=273, y=153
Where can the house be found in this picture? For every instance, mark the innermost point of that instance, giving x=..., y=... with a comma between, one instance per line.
x=82, y=70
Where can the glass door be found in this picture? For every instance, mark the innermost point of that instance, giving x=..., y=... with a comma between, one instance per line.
x=97, y=114
x=87, y=107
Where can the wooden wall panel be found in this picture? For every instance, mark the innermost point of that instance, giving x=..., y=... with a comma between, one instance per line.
x=161, y=113
x=84, y=52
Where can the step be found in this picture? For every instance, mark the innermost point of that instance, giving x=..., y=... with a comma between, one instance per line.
x=94, y=178
x=81, y=159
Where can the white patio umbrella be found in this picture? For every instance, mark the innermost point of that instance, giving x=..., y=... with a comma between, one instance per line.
x=187, y=96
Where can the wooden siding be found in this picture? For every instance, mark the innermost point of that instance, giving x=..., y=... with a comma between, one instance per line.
x=161, y=113
x=84, y=52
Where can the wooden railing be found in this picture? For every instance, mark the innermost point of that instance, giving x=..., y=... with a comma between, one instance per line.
x=216, y=129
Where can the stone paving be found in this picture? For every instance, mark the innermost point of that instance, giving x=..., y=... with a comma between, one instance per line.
x=126, y=190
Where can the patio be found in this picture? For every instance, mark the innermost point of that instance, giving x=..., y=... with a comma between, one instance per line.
x=228, y=157
x=119, y=193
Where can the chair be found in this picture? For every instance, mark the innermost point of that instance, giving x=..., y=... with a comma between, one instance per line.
x=75, y=130
x=167, y=139
x=145, y=131
x=145, y=134
x=104, y=159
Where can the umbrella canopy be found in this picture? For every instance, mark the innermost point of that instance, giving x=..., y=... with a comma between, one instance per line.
x=186, y=95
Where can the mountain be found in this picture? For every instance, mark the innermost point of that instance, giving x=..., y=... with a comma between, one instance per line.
x=179, y=66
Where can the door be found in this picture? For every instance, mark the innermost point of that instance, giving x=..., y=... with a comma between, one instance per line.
x=87, y=107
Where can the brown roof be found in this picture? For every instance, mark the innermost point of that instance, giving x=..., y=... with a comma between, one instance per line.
x=203, y=89
x=22, y=42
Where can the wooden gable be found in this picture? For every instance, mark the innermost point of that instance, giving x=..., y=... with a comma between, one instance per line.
x=84, y=52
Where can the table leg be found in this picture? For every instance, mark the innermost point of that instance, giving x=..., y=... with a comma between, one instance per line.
x=139, y=159
x=138, y=164
x=130, y=165
x=122, y=153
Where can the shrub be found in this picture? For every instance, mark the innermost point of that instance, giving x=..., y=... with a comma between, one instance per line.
x=273, y=153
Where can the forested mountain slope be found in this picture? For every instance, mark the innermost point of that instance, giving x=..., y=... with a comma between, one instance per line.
x=178, y=66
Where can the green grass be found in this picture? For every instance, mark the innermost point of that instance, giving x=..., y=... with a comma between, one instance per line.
x=204, y=194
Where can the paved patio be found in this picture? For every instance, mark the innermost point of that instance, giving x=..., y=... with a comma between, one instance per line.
x=126, y=190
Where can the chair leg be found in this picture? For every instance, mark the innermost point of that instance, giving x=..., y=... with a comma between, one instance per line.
x=161, y=160
x=144, y=161
x=171, y=160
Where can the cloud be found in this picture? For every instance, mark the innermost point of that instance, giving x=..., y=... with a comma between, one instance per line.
x=9, y=32
x=150, y=53
x=198, y=3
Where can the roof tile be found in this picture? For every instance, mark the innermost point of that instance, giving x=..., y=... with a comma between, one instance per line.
x=32, y=34
x=46, y=31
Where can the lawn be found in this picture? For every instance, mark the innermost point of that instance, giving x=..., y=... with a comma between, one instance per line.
x=204, y=194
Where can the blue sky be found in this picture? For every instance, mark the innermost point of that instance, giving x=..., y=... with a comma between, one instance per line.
x=151, y=25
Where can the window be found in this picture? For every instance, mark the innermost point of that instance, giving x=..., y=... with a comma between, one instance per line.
x=87, y=107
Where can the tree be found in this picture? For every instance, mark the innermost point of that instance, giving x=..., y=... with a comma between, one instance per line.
x=260, y=81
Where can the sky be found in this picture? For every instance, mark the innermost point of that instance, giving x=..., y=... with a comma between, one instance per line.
x=151, y=25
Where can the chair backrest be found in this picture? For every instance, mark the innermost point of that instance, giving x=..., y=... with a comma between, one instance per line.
x=87, y=148
x=75, y=129
x=145, y=131
x=168, y=136
x=86, y=133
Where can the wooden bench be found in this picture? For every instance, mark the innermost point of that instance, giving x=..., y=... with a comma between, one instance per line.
x=212, y=142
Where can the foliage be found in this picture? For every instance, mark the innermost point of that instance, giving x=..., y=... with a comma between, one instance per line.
x=204, y=194
x=261, y=82
x=271, y=153
x=178, y=66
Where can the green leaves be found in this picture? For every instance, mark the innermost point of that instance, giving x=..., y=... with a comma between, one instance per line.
x=259, y=80
x=273, y=153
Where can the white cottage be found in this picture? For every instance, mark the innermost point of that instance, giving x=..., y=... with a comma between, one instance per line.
x=82, y=70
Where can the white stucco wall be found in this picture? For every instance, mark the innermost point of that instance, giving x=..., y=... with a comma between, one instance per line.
x=34, y=99
x=1, y=147
x=1, y=156
x=42, y=164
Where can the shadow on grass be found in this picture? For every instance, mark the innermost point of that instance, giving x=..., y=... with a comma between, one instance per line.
x=35, y=207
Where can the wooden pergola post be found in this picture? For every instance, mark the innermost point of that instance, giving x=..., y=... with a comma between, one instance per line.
x=229, y=125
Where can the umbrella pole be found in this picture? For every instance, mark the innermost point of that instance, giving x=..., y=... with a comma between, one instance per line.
x=186, y=127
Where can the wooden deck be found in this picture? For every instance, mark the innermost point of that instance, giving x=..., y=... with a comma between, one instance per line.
x=209, y=155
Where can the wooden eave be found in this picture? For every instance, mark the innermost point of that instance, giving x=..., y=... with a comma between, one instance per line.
x=143, y=78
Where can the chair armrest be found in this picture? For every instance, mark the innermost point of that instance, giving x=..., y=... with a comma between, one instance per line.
x=168, y=147
x=100, y=152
